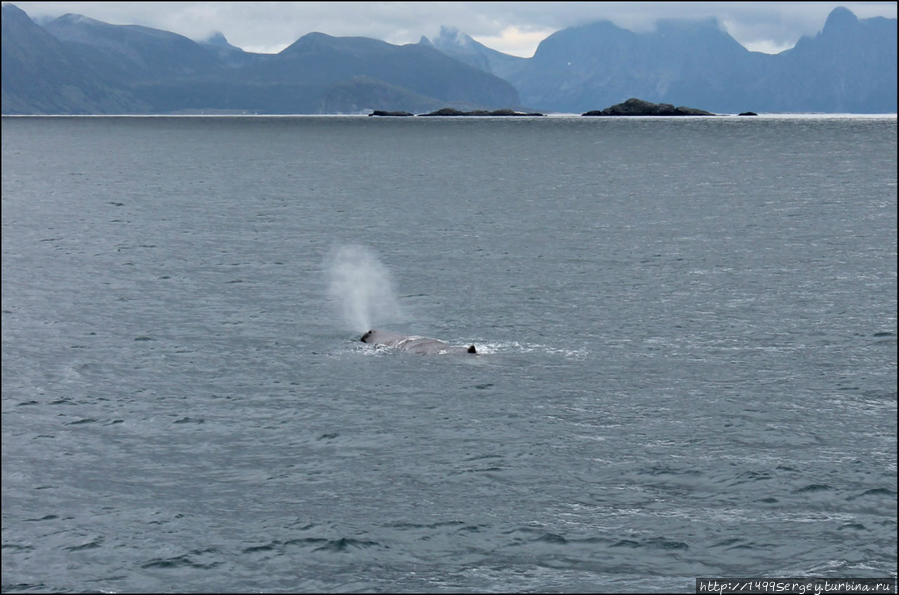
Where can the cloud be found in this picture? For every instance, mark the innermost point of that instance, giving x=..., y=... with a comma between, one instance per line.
x=515, y=41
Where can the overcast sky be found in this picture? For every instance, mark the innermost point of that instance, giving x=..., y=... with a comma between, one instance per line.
x=511, y=27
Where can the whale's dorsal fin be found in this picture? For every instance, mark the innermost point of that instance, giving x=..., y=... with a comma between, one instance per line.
x=471, y=349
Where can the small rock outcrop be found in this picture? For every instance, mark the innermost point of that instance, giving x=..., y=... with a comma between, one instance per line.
x=638, y=107
x=509, y=112
x=747, y=114
x=378, y=112
x=448, y=111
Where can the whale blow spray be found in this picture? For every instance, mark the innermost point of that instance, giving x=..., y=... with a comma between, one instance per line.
x=361, y=288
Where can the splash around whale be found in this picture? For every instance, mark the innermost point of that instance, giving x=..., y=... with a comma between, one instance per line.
x=412, y=343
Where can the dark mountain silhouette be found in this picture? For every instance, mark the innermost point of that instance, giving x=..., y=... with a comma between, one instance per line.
x=317, y=58
x=599, y=64
x=132, y=52
x=41, y=74
x=850, y=66
x=75, y=64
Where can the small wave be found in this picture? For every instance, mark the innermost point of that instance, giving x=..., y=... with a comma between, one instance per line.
x=629, y=543
x=438, y=524
x=653, y=542
x=48, y=517
x=853, y=526
x=94, y=543
x=278, y=546
x=814, y=487
x=345, y=544
x=738, y=544
x=268, y=547
x=189, y=560
x=874, y=492
x=305, y=541
x=86, y=420
x=175, y=562
x=482, y=457
x=21, y=587
x=17, y=548
x=318, y=544
x=534, y=535
x=477, y=470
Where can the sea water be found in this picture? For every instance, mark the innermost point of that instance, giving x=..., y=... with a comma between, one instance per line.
x=686, y=333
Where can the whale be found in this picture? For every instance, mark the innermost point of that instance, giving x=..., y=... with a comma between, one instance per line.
x=413, y=343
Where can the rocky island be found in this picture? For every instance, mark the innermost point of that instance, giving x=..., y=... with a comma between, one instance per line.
x=638, y=107
x=448, y=111
x=378, y=112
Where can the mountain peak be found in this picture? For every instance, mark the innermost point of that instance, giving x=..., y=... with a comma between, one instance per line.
x=450, y=36
x=13, y=9
x=309, y=41
x=218, y=39
x=840, y=19
x=13, y=16
x=71, y=18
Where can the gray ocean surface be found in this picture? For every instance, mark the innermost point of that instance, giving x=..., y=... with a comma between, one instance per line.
x=687, y=367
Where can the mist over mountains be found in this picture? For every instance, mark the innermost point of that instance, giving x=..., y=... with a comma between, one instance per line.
x=78, y=65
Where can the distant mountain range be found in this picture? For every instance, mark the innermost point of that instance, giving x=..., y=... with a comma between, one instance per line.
x=78, y=65
x=850, y=66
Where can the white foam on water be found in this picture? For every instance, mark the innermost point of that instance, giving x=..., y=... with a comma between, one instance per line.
x=518, y=347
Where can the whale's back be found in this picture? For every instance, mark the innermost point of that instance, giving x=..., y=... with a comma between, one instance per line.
x=412, y=343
